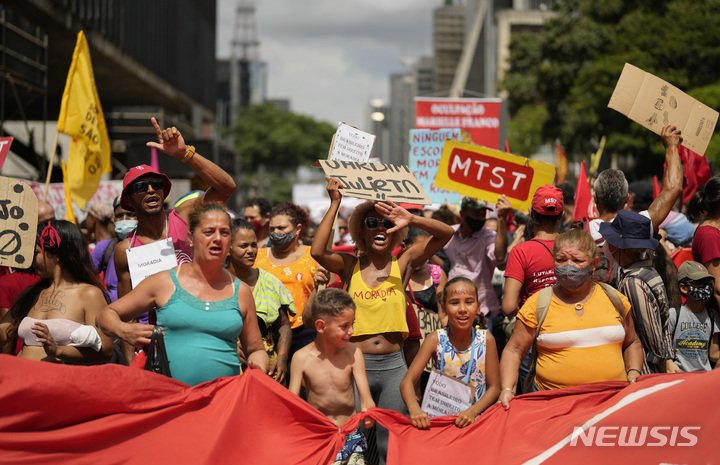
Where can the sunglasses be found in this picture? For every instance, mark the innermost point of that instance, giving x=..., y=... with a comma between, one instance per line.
x=141, y=187
x=373, y=222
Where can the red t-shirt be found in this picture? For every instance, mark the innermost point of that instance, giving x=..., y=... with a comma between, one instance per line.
x=706, y=244
x=532, y=264
x=12, y=284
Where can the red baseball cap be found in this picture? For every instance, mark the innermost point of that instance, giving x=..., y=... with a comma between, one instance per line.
x=410, y=206
x=135, y=173
x=548, y=200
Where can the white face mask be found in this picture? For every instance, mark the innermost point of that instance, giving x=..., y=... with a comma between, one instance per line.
x=125, y=227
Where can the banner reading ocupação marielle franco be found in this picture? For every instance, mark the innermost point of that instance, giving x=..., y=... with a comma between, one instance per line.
x=478, y=118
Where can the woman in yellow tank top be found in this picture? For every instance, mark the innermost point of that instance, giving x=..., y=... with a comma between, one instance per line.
x=377, y=282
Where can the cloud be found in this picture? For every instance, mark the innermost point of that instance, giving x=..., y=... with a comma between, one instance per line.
x=328, y=57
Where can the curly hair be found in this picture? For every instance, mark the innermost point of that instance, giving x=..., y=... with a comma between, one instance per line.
x=296, y=214
x=356, y=227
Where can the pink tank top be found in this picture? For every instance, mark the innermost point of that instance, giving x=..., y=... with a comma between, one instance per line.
x=177, y=230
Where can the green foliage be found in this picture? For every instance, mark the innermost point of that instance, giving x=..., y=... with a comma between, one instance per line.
x=280, y=140
x=571, y=67
x=525, y=128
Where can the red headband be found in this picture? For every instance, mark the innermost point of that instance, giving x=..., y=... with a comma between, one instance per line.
x=49, y=233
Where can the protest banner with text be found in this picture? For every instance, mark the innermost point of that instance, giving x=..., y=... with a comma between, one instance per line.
x=376, y=181
x=654, y=103
x=478, y=118
x=486, y=174
x=425, y=153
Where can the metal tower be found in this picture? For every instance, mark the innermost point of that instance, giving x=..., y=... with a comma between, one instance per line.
x=245, y=50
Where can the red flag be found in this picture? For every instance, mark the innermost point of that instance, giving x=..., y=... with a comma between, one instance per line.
x=154, y=160
x=584, y=205
x=696, y=172
x=5, y=143
x=562, y=163
x=656, y=187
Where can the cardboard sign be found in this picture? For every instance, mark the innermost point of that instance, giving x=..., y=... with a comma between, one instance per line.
x=5, y=143
x=18, y=223
x=446, y=396
x=478, y=118
x=149, y=259
x=486, y=174
x=351, y=144
x=653, y=103
x=376, y=181
x=425, y=153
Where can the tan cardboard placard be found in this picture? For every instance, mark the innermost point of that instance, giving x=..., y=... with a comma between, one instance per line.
x=376, y=181
x=18, y=223
x=653, y=103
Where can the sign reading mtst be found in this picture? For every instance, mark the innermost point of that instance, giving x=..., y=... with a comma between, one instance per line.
x=487, y=174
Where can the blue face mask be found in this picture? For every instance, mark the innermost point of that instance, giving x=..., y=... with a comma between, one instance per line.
x=125, y=227
x=571, y=277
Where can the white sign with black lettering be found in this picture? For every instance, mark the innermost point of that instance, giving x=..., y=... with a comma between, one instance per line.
x=446, y=396
x=149, y=259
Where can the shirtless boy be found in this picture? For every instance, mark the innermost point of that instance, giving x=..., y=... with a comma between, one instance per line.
x=329, y=368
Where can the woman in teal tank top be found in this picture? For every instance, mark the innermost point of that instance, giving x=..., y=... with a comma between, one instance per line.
x=200, y=306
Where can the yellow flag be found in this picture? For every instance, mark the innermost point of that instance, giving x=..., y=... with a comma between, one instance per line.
x=597, y=156
x=81, y=118
x=69, y=213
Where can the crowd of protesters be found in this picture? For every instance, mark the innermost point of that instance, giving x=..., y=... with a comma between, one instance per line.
x=505, y=302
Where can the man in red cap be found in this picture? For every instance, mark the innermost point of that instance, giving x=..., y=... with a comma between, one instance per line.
x=144, y=191
x=531, y=265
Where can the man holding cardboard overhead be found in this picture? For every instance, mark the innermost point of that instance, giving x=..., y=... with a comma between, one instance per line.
x=474, y=251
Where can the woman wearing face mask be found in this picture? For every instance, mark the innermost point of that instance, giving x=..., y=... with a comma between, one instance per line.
x=583, y=338
x=104, y=252
x=291, y=263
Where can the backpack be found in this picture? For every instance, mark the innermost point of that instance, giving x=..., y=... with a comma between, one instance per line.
x=102, y=267
x=607, y=269
x=544, y=297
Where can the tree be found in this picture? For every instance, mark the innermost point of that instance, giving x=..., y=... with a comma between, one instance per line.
x=280, y=141
x=571, y=67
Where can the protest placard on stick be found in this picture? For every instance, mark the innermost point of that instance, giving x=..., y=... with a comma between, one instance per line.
x=654, y=103
x=485, y=173
x=18, y=223
x=376, y=181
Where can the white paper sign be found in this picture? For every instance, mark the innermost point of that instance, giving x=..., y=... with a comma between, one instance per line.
x=351, y=144
x=149, y=259
x=446, y=396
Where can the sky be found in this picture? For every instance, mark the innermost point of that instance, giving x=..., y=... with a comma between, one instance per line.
x=330, y=57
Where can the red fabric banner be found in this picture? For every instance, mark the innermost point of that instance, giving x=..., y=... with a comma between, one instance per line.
x=114, y=414
x=696, y=172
